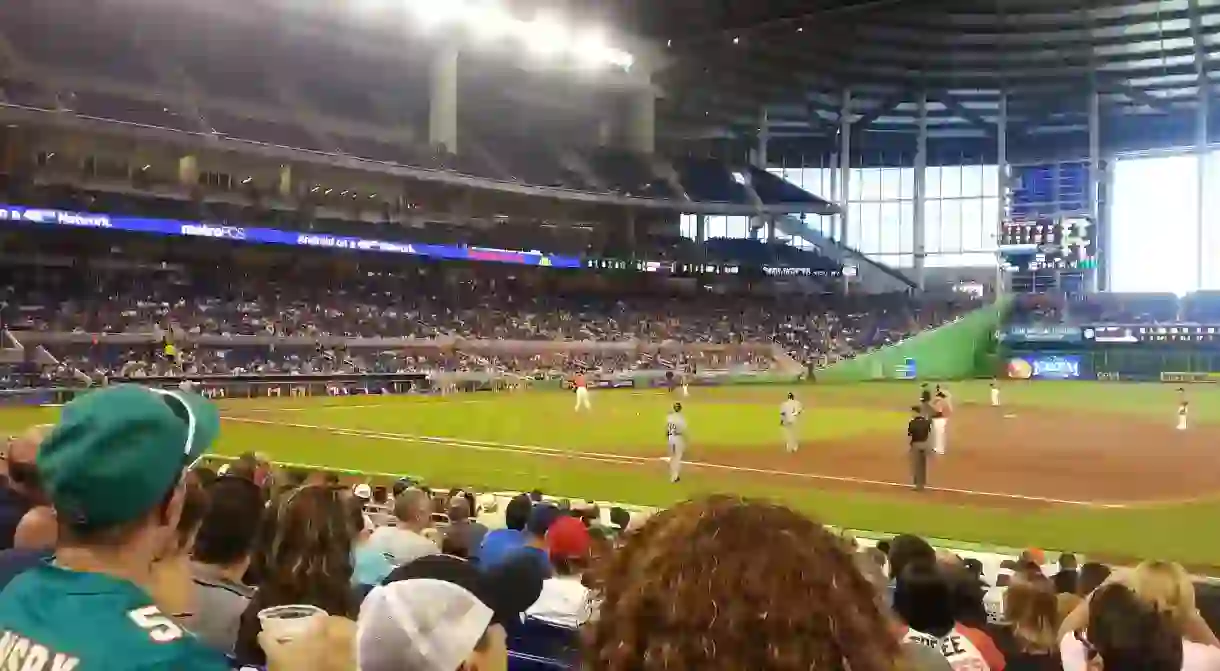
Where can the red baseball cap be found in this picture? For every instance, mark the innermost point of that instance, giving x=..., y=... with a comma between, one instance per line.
x=568, y=538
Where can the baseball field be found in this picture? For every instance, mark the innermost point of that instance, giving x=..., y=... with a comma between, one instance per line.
x=1077, y=466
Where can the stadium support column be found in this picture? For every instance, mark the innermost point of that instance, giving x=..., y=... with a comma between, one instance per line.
x=1094, y=169
x=188, y=171
x=443, y=105
x=844, y=171
x=764, y=138
x=1001, y=151
x=284, y=188
x=642, y=119
x=921, y=189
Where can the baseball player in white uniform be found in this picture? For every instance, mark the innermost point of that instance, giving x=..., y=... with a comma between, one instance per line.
x=995, y=394
x=789, y=410
x=1183, y=410
x=942, y=407
x=675, y=433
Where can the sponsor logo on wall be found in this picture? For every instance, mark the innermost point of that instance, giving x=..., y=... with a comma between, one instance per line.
x=1044, y=367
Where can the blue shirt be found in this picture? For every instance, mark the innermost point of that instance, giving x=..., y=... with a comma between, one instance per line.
x=498, y=545
x=14, y=562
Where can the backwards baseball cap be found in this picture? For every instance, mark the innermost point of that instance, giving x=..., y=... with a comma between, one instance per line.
x=363, y=491
x=430, y=614
x=116, y=452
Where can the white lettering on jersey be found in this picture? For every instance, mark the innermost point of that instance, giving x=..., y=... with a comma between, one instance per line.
x=957, y=649
x=20, y=654
x=159, y=627
x=16, y=654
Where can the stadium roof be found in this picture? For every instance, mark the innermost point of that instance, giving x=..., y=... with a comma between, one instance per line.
x=729, y=60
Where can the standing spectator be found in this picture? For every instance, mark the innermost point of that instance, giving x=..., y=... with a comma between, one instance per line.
x=469, y=532
x=405, y=542
x=1028, y=638
x=498, y=544
x=21, y=488
x=223, y=548
x=1066, y=578
x=923, y=598
x=689, y=589
x=565, y=600
x=308, y=561
x=33, y=544
x=113, y=469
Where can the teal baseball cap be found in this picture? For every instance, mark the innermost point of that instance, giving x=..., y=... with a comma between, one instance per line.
x=117, y=452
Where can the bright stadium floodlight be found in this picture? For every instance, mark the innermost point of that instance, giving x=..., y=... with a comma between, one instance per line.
x=589, y=50
x=490, y=21
x=430, y=14
x=545, y=37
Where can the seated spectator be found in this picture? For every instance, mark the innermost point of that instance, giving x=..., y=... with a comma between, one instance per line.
x=113, y=469
x=923, y=598
x=904, y=549
x=565, y=600
x=223, y=548
x=33, y=543
x=1123, y=633
x=461, y=526
x=1165, y=589
x=542, y=516
x=440, y=613
x=308, y=561
x=369, y=565
x=404, y=542
x=1028, y=637
x=691, y=589
x=1092, y=575
x=1066, y=578
x=498, y=544
x=172, y=584
x=20, y=489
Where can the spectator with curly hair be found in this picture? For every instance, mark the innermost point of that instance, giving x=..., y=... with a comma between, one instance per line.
x=691, y=590
x=308, y=561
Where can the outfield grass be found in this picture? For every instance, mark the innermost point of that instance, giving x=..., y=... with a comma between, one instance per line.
x=390, y=436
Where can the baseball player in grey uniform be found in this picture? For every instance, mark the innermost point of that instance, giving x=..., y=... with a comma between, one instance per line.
x=789, y=410
x=675, y=433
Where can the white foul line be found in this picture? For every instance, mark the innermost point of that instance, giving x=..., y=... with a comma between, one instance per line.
x=636, y=460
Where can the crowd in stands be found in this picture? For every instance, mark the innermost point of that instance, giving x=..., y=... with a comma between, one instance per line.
x=396, y=576
x=471, y=301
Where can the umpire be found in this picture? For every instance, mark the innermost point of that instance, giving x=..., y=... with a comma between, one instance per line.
x=918, y=430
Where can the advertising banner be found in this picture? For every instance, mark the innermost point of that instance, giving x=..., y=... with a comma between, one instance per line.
x=1044, y=367
x=1035, y=333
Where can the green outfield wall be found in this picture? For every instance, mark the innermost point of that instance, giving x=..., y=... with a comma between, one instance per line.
x=965, y=348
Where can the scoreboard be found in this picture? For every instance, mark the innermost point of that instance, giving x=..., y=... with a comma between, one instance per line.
x=1049, y=242
x=1140, y=333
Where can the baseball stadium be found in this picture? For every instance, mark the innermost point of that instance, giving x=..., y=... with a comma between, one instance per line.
x=873, y=269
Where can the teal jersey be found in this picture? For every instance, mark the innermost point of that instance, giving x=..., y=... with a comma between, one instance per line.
x=53, y=619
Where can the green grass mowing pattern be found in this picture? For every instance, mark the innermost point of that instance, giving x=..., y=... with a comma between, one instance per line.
x=1169, y=532
x=631, y=424
x=1178, y=532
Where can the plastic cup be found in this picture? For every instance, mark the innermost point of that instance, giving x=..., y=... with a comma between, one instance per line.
x=285, y=623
